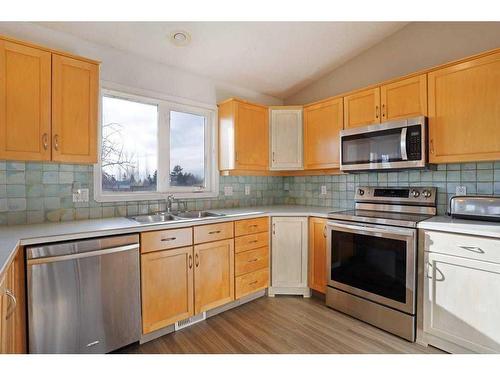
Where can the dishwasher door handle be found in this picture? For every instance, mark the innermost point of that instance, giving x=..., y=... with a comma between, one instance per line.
x=88, y=254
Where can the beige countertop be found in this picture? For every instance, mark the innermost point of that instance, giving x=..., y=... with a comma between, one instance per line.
x=20, y=235
x=471, y=227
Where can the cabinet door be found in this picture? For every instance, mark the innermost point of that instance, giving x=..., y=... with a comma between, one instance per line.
x=286, y=138
x=3, y=314
x=289, y=252
x=405, y=98
x=24, y=102
x=167, y=287
x=213, y=274
x=8, y=313
x=322, y=124
x=464, y=111
x=362, y=108
x=75, y=86
x=252, y=139
x=317, y=254
x=461, y=300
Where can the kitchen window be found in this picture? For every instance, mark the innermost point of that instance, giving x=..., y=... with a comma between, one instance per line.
x=152, y=147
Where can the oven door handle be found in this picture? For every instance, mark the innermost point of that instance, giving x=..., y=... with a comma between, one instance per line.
x=359, y=228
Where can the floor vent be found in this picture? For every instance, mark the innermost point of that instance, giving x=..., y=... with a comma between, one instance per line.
x=190, y=321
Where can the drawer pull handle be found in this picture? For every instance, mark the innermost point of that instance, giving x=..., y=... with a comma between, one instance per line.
x=214, y=232
x=254, y=282
x=474, y=249
x=253, y=260
x=169, y=239
x=253, y=225
x=253, y=241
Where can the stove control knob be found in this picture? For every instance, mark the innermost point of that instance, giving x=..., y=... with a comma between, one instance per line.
x=427, y=193
x=415, y=193
x=361, y=192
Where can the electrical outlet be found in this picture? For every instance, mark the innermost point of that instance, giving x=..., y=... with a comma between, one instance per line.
x=286, y=186
x=461, y=190
x=323, y=189
x=247, y=189
x=228, y=191
x=80, y=195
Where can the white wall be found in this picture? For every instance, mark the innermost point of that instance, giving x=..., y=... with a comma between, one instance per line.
x=418, y=46
x=134, y=71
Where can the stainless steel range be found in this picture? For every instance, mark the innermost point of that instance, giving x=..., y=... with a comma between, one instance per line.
x=372, y=256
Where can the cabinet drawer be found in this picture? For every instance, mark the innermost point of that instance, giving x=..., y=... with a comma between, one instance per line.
x=213, y=232
x=252, y=241
x=251, y=282
x=251, y=260
x=166, y=239
x=243, y=227
x=479, y=248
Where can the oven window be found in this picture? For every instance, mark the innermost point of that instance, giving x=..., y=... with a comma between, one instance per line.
x=377, y=147
x=373, y=264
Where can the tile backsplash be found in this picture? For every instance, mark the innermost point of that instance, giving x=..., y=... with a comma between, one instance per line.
x=42, y=192
x=478, y=178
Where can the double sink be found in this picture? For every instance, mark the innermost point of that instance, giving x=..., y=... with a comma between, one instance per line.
x=163, y=217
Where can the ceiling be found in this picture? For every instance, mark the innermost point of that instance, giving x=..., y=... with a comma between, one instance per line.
x=273, y=58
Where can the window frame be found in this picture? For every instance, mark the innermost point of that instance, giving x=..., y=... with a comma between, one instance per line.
x=165, y=105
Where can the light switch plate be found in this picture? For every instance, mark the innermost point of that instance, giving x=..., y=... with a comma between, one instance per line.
x=80, y=195
x=461, y=190
x=228, y=191
x=323, y=189
x=247, y=189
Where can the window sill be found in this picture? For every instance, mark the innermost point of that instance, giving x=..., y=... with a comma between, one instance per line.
x=133, y=197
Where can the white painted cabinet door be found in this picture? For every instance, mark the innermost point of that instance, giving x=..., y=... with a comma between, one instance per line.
x=462, y=303
x=289, y=256
x=286, y=139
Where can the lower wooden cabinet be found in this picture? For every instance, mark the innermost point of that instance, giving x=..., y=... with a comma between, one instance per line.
x=317, y=254
x=252, y=282
x=213, y=274
x=167, y=287
x=12, y=308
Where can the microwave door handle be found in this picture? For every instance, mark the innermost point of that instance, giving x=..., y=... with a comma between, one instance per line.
x=404, y=155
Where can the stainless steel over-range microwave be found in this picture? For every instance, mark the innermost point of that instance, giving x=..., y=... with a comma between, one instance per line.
x=391, y=145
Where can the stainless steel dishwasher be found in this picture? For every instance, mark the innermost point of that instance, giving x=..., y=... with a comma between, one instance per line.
x=84, y=297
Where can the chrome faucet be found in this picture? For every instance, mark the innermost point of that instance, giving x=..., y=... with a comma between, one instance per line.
x=170, y=200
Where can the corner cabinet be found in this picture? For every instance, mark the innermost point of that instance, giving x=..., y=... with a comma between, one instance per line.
x=322, y=124
x=317, y=254
x=289, y=256
x=48, y=104
x=243, y=136
x=286, y=138
x=12, y=308
x=464, y=111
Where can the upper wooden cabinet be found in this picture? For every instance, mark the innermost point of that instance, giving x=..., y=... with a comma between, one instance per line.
x=243, y=136
x=322, y=124
x=25, y=82
x=362, y=108
x=464, y=111
x=404, y=98
x=74, y=110
x=317, y=254
x=48, y=104
x=286, y=138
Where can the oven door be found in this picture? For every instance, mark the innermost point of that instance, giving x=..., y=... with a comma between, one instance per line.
x=397, y=144
x=375, y=262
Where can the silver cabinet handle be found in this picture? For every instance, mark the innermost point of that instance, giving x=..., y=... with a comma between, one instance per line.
x=11, y=295
x=324, y=231
x=196, y=260
x=376, y=111
x=56, y=142
x=383, y=110
x=190, y=260
x=274, y=228
x=169, y=239
x=474, y=249
x=45, y=141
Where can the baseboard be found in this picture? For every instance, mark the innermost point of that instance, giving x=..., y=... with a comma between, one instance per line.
x=287, y=290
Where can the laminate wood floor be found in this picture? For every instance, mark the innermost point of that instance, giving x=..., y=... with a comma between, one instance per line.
x=279, y=325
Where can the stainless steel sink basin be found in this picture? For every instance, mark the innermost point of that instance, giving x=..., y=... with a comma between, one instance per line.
x=196, y=214
x=154, y=218
x=164, y=217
